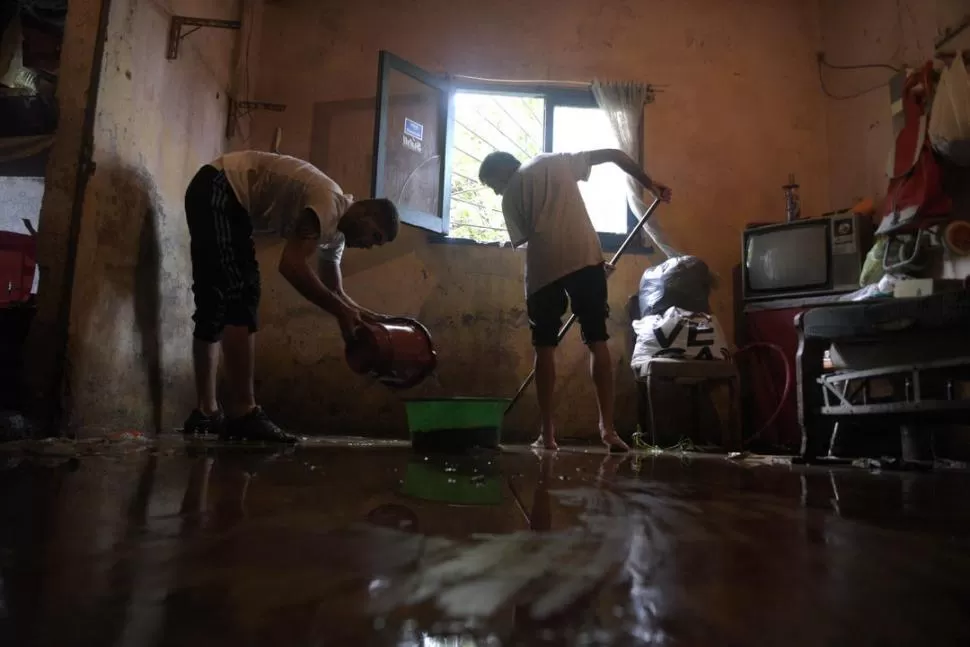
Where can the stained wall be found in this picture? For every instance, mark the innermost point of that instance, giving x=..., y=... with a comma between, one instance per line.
x=740, y=109
x=156, y=122
x=860, y=130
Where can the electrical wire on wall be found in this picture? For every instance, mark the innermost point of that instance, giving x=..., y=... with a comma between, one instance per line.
x=896, y=55
x=822, y=63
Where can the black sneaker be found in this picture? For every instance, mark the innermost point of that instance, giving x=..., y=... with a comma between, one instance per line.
x=257, y=427
x=199, y=424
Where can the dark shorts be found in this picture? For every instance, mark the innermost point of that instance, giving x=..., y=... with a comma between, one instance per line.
x=225, y=274
x=585, y=291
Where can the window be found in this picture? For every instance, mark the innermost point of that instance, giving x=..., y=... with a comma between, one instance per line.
x=577, y=129
x=446, y=130
x=486, y=122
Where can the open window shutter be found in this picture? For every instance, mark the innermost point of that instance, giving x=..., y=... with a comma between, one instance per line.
x=412, y=143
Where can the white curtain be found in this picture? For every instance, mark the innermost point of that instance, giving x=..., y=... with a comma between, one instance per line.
x=623, y=102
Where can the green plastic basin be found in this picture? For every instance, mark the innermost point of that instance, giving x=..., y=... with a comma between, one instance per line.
x=455, y=423
x=457, y=487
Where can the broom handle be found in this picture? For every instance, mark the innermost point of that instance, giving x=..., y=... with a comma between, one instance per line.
x=572, y=318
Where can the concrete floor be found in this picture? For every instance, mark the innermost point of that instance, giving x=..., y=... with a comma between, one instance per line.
x=356, y=543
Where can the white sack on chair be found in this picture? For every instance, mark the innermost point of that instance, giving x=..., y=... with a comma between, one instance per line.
x=678, y=334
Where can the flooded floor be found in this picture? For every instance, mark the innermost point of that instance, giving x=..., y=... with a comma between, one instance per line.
x=361, y=544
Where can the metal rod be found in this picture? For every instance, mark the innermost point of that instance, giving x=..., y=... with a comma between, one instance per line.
x=572, y=318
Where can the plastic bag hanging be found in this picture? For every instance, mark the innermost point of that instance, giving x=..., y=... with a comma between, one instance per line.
x=949, y=128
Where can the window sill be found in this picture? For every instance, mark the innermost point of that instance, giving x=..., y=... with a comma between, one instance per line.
x=440, y=239
x=609, y=242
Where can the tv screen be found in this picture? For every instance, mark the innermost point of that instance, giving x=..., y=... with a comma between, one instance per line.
x=787, y=258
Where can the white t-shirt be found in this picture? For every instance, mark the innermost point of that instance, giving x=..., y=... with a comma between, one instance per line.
x=275, y=189
x=542, y=206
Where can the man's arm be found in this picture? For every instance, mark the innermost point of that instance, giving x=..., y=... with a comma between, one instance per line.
x=331, y=276
x=631, y=168
x=515, y=223
x=300, y=248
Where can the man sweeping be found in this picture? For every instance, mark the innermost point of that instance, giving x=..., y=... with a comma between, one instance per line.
x=229, y=201
x=543, y=207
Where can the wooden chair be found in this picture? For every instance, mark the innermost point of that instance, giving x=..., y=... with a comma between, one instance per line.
x=699, y=376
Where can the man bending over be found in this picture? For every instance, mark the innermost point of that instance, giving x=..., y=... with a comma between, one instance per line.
x=227, y=202
x=564, y=264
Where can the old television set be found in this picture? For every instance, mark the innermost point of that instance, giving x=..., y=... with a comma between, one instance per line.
x=801, y=258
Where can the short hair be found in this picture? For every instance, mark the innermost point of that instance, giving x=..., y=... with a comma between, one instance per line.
x=385, y=214
x=389, y=217
x=495, y=161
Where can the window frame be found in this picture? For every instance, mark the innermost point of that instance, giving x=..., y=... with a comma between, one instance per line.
x=387, y=63
x=438, y=227
x=505, y=90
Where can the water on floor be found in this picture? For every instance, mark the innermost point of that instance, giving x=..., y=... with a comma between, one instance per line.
x=363, y=544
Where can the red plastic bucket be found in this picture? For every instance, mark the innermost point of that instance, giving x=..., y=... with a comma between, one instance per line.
x=399, y=352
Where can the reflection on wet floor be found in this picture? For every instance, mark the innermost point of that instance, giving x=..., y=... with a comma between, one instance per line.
x=350, y=544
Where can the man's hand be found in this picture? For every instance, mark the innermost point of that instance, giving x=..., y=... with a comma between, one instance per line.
x=609, y=268
x=331, y=277
x=350, y=321
x=662, y=191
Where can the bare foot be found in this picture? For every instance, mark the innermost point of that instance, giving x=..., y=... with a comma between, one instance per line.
x=613, y=442
x=545, y=443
